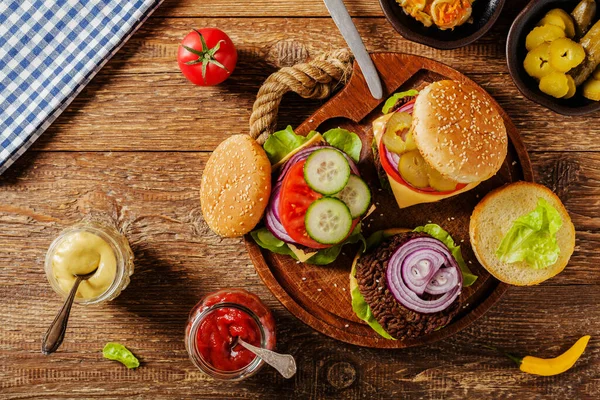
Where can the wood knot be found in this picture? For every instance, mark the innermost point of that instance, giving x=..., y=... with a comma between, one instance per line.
x=341, y=375
x=560, y=175
x=286, y=53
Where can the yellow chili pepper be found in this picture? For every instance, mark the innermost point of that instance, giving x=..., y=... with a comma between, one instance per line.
x=552, y=366
x=558, y=365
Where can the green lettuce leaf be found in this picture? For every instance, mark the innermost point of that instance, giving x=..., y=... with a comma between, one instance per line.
x=391, y=102
x=118, y=352
x=281, y=143
x=360, y=306
x=265, y=239
x=346, y=141
x=327, y=256
x=440, y=234
x=532, y=238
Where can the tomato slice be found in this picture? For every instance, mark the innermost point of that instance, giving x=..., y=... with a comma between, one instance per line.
x=295, y=198
x=393, y=172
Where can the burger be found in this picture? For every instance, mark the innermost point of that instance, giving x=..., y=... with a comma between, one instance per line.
x=409, y=285
x=438, y=142
x=318, y=196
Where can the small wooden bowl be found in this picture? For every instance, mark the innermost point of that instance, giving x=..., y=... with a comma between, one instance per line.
x=516, y=52
x=485, y=14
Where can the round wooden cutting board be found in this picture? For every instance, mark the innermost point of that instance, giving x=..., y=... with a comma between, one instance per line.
x=320, y=295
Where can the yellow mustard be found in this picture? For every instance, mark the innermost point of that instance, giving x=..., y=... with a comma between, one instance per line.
x=80, y=253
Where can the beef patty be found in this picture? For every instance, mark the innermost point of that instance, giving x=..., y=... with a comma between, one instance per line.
x=397, y=320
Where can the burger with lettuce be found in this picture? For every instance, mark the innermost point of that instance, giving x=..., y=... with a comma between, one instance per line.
x=318, y=196
x=438, y=142
x=408, y=283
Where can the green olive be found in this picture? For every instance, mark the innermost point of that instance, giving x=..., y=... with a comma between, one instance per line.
x=543, y=34
x=397, y=136
x=537, y=61
x=555, y=84
x=591, y=89
x=560, y=18
x=413, y=169
x=565, y=54
x=439, y=182
x=572, y=87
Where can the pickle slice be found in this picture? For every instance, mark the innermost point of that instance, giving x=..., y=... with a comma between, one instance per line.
x=572, y=87
x=560, y=18
x=413, y=169
x=439, y=182
x=397, y=136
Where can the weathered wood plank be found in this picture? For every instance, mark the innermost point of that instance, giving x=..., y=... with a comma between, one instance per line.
x=155, y=198
x=523, y=322
x=162, y=112
x=260, y=8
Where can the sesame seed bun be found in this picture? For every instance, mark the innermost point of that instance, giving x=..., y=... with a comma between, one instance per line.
x=494, y=216
x=236, y=185
x=459, y=132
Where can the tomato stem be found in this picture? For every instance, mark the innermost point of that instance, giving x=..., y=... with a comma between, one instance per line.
x=205, y=56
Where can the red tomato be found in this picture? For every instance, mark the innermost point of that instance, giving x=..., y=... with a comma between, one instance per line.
x=295, y=198
x=393, y=172
x=207, y=56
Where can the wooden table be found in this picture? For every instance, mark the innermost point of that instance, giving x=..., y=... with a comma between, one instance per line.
x=133, y=145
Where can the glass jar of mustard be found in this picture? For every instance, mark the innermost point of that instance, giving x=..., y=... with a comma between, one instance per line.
x=79, y=250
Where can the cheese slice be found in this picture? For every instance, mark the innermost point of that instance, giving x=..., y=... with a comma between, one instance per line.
x=301, y=255
x=405, y=196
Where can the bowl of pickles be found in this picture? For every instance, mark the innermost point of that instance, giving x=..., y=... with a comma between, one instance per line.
x=553, y=54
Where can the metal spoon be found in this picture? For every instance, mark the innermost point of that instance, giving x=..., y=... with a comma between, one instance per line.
x=56, y=333
x=283, y=363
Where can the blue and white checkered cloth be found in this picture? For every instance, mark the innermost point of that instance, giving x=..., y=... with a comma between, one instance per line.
x=49, y=51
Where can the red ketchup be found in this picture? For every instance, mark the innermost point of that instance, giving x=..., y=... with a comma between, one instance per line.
x=222, y=317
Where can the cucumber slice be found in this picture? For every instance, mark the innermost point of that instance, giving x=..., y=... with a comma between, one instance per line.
x=326, y=171
x=328, y=220
x=356, y=195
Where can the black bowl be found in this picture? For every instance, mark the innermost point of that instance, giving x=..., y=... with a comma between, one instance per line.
x=516, y=52
x=485, y=14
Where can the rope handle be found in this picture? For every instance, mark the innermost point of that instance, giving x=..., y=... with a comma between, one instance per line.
x=315, y=79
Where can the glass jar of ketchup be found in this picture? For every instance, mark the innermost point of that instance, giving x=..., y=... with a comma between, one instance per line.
x=214, y=325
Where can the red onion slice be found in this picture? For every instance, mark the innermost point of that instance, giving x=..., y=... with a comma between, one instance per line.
x=272, y=220
x=424, y=265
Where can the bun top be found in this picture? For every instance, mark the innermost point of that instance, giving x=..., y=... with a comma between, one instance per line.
x=236, y=185
x=459, y=132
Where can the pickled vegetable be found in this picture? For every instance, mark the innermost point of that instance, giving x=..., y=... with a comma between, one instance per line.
x=413, y=169
x=591, y=89
x=565, y=54
x=555, y=84
x=537, y=61
x=439, y=182
x=591, y=44
x=543, y=34
x=572, y=87
x=560, y=18
x=583, y=15
x=397, y=136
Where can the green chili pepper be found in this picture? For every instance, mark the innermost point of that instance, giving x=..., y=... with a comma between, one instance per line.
x=118, y=352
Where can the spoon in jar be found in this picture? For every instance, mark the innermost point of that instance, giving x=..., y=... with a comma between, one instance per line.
x=56, y=333
x=283, y=363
